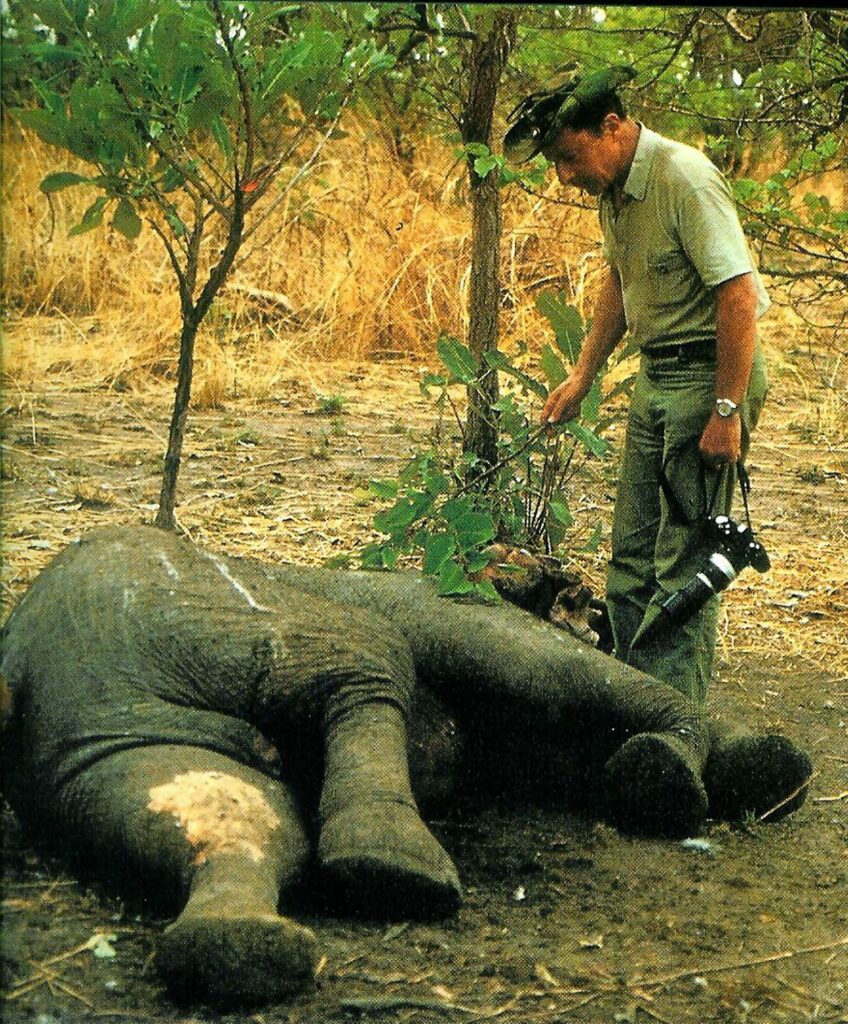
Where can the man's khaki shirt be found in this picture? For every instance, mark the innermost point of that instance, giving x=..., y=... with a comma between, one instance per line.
x=676, y=237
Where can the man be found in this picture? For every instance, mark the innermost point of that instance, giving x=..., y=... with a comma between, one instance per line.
x=681, y=282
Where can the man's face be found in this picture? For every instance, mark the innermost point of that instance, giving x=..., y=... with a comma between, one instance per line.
x=585, y=160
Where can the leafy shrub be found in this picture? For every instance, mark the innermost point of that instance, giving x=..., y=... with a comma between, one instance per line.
x=448, y=507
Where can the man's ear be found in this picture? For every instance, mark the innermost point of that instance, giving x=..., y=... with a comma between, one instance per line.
x=611, y=124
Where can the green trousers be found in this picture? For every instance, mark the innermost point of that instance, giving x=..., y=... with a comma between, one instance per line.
x=655, y=552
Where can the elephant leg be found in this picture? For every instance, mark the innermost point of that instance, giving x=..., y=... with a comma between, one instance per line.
x=377, y=854
x=652, y=785
x=766, y=776
x=222, y=838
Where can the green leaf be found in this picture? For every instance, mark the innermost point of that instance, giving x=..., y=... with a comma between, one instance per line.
x=474, y=529
x=50, y=127
x=591, y=404
x=61, y=179
x=485, y=589
x=566, y=322
x=177, y=225
x=92, y=218
x=452, y=580
x=484, y=164
x=457, y=358
x=478, y=562
x=561, y=512
x=56, y=15
x=624, y=387
x=386, y=489
x=371, y=556
x=438, y=548
x=553, y=367
x=596, y=445
x=126, y=220
x=222, y=137
x=403, y=513
x=594, y=541
x=498, y=361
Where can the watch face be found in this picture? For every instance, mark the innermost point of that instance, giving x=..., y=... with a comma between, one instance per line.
x=725, y=407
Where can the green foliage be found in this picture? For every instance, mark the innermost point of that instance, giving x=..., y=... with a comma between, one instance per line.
x=149, y=92
x=799, y=232
x=189, y=113
x=767, y=81
x=330, y=405
x=447, y=508
x=484, y=161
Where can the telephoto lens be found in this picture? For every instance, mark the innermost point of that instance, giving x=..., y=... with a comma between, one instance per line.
x=717, y=574
x=738, y=548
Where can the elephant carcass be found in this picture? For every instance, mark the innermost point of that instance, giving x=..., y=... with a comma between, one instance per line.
x=210, y=725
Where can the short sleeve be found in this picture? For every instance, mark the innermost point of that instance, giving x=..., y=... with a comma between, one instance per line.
x=710, y=232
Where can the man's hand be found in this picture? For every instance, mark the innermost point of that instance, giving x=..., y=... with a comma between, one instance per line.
x=721, y=441
x=563, y=403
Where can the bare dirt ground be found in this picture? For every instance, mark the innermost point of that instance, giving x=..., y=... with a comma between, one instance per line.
x=564, y=919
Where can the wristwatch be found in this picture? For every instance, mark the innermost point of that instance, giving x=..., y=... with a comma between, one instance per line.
x=725, y=408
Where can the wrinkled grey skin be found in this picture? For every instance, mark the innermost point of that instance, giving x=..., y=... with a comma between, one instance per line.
x=207, y=726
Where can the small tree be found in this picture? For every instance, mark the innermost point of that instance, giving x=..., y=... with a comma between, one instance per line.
x=485, y=65
x=190, y=114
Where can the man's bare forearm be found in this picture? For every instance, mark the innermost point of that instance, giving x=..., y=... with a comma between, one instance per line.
x=608, y=327
x=736, y=336
x=736, y=339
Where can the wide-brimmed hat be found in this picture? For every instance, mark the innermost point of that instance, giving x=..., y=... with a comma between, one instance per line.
x=540, y=117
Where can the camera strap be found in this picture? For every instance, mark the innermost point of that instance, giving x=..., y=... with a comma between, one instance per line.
x=678, y=513
x=744, y=487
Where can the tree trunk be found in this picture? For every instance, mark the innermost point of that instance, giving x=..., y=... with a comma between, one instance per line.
x=193, y=314
x=168, y=496
x=486, y=63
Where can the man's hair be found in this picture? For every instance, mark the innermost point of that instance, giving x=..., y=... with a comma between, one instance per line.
x=590, y=114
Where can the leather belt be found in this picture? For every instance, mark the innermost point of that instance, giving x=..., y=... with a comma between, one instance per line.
x=688, y=352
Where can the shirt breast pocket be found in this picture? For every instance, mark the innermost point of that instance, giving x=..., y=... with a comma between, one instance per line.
x=671, y=275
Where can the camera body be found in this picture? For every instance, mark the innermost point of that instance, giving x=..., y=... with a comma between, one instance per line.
x=736, y=548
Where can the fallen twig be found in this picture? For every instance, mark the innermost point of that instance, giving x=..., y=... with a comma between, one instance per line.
x=786, y=799
x=831, y=799
x=376, y=1004
x=666, y=979
x=804, y=993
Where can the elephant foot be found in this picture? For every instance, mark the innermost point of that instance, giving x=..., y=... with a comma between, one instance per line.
x=764, y=776
x=236, y=959
x=381, y=860
x=651, y=785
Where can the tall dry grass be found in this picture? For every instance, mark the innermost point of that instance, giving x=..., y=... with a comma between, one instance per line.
x=369, y=259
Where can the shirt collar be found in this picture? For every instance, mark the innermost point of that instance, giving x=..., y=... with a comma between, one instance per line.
x=646, y=148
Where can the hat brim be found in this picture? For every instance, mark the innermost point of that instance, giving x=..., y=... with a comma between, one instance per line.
x=525, y=140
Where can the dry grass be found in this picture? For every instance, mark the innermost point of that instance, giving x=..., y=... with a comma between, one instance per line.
x=368, y=263
x=370, y=258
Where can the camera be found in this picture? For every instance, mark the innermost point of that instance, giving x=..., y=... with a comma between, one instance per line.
x=736, y=549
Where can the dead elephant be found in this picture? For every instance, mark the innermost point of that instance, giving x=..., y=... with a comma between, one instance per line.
x=153, y=685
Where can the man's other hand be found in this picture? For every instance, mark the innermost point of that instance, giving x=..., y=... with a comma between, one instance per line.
x=721, y=441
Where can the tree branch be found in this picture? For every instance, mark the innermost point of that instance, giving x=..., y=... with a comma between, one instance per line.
x=678, y=46
x=244, y=96
x=187, y=173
